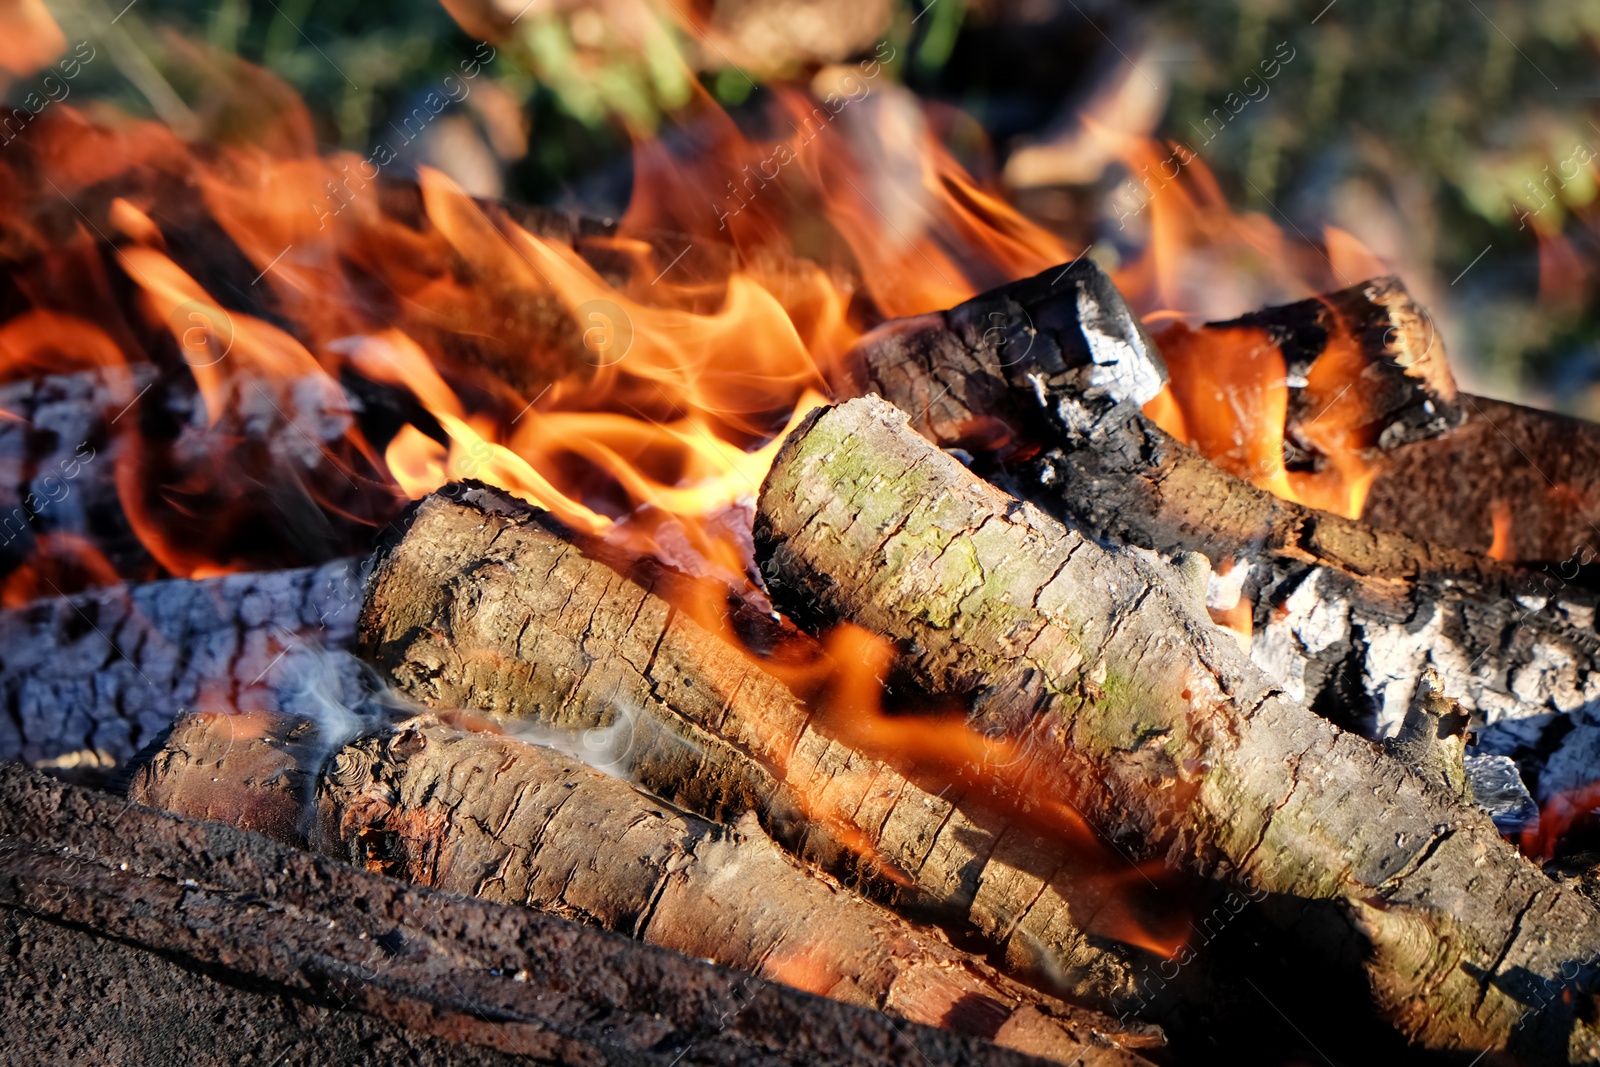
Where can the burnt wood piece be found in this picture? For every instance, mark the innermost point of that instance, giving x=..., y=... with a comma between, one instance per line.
x=486, y=603
x=485, y=815
x=1141, y=712
x=94, y=456
x=1537, y=473
x=58, y=466
x=1042, y=379
x=72, y=995
x=1369, y=349
x=290, y=927
x=88, y=680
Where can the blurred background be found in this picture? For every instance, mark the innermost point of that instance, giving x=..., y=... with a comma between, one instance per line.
x=1458, y=143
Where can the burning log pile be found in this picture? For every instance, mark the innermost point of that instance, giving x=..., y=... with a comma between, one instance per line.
x=1013, y=644
x=1060, y=687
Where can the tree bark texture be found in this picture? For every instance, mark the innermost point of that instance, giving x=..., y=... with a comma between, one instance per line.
x=90, y=679
x=1343, y=615
x=484, y=603
x=1530, y=472
x=489, y=816
x=1142, y=713
x=261, y=917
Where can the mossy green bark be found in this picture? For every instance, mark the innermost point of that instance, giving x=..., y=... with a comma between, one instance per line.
x=1138, y=711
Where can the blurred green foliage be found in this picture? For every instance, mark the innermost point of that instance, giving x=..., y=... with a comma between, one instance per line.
x=1453, y=137
x=1440, y=132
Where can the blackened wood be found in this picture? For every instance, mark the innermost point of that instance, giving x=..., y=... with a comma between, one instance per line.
x=72, y=995
x=1536, y=473
x=1042, y=379
x=1139, y=711
x=88, y=680
x=259, y=916
x=1370, y=350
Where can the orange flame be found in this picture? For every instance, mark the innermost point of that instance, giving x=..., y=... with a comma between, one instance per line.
x=1229, y=394
x=660, y=389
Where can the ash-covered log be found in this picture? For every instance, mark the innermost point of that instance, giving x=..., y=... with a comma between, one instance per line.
x=246, y=922
x=1043, y=379
x=1141, y=712
x=486, y=815
x=486, y=603
x=88, y=680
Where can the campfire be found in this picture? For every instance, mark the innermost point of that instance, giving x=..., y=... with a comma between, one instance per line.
x=974, y=648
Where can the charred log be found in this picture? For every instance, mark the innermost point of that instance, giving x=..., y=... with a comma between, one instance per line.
x=1369, y=349
x=1042, y=379
x=1138, y=710
x=90, y=679
x=1513, y=479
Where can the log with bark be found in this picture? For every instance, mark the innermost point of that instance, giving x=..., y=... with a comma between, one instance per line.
x=1042, y=379
x=482, y=814
x=485, y=603
x=203, y=919
x=1140, y=711
x=88, y=680
x=1511, y=478
x=453, y=803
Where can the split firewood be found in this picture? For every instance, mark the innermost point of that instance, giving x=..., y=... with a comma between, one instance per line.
x=1042, y=379
x=88, y=680
x=1512, y=480
x=1139, y=711
x=485, y=603
x=486, y=815
x=305, y=936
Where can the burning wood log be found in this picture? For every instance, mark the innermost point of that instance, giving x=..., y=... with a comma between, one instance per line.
x=1363, y=369
x=288, y=936
x=1513, y=482
x=1041, y=379
x=485, y=815
x=118, y=473
x=57, y=481
x=484, y=603
x=1137, y=710
x=88, y=680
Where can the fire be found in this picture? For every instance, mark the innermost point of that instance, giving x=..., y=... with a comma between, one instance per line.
x=307, y=328
x=1229, y=393
x=661, y=386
